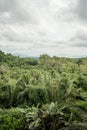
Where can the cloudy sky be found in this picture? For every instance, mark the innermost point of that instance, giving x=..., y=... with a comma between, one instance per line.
x=53, y=27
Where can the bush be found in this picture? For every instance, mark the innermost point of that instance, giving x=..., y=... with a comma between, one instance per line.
x=12, y=119
x=82, y=105
x=37, y=95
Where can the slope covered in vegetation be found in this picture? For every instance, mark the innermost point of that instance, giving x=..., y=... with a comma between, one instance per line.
x=44, y=93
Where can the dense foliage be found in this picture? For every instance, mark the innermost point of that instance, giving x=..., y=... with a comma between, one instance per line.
x=42, y=93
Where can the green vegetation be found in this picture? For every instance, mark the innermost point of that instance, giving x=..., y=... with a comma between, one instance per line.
x=43, y=93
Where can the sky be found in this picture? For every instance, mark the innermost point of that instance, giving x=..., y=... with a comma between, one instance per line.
x=35, y=27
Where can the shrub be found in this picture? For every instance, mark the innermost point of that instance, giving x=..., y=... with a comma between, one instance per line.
x=12, y=119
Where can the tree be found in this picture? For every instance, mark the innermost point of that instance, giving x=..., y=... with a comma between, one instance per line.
x=79, y=62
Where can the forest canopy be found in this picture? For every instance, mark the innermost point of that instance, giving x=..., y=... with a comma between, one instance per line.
x=42, y=93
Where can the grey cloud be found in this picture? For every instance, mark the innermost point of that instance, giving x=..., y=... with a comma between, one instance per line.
x=82, y=10
x=18, y=10
x=81, y=36
x=7, y=5
x=82, y=44
x=14, y=37
x=47, y=44
x=80, y=39
x=42, y=25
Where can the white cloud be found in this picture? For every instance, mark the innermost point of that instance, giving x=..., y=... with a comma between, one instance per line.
x=41, y=26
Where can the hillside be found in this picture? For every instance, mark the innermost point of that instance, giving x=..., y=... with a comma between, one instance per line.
x=43, y=93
